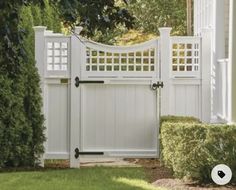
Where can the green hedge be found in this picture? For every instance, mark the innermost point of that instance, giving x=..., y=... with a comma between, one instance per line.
x=192, y=149
x=21, y=119
x=179, y=119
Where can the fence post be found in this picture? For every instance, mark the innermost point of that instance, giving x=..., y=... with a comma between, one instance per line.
x=206, y=35
x=75, y=120
x=232, y=65
x=165, y=68
x=39, y=49
x=40, y=64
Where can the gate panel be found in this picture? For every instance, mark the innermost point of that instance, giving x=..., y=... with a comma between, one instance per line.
x=120, y=116
x=119, y=120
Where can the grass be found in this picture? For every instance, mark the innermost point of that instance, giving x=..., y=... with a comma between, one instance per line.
x=95, y=178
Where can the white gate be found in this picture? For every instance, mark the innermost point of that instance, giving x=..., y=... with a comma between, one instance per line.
x=116, y=105
x=100, y=99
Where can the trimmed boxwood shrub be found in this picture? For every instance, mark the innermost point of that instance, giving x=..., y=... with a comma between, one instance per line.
x=191, y=150
x=175, y=119
x=179, y=119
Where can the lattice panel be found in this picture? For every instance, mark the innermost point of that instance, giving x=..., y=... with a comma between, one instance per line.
x=57, y=56
x=185, y=56
x=143, y=61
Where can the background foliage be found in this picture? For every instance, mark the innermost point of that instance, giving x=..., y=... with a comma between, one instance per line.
x=94, y=15
x=152, y=14
x=149, y=15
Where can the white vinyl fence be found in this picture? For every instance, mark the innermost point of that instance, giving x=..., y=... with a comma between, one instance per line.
x=106, y=100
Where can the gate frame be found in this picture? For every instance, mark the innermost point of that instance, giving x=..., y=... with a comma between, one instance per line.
x=78, y=52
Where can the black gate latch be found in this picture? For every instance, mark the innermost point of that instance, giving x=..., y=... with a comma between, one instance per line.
x=78, y=81
x=157, y=85
x=77, y=153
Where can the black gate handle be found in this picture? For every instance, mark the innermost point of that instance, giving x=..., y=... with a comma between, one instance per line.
x=78, y=152
x=78, y=81
x=157, y=85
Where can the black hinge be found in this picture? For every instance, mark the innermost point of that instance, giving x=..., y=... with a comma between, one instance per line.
x=77, y=153
x=157, y=85
x=78, y=81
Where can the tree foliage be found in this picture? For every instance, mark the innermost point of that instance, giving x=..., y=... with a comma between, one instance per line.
x=152, y=14
x=21, y=120
x=94, y=15
x=149, y=16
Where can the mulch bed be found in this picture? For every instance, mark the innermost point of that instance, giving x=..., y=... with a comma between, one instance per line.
x=153, y=169
x=161, y=176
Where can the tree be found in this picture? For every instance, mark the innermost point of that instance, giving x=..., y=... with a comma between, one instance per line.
x=94, y=15
x=21, y=121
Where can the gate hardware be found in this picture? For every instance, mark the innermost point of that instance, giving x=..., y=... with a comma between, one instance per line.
x=157, y=85
x=78, y=81
x=77, y=153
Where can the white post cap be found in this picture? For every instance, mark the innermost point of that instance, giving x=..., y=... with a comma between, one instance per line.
x=39, y=28
x=78, y=29
x=165, y=30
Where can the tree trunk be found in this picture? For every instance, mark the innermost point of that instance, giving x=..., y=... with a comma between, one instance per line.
x=189, y=17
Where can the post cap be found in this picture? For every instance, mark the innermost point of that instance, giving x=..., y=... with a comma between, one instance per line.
x=78, y=29
x=165, y=30
x=39, y=28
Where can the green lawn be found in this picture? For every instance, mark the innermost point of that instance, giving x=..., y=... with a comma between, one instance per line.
x=95, y=178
